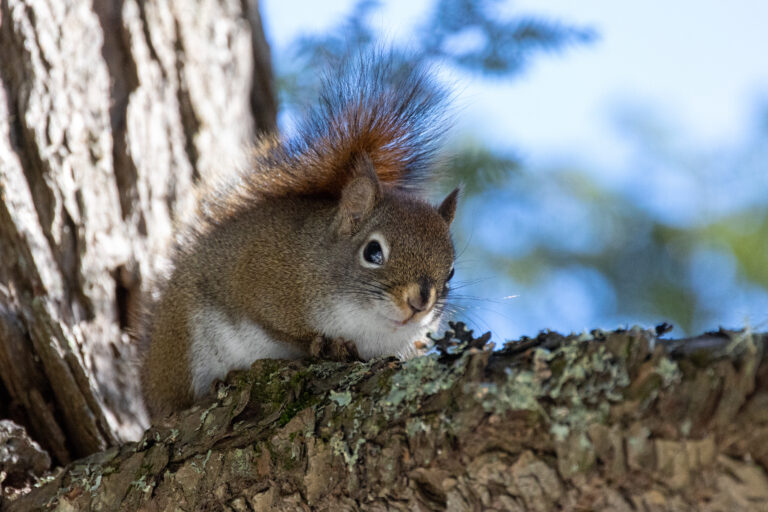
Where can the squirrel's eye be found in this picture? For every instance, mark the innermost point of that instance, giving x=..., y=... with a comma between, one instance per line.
x=450, y=275
x=373, y=253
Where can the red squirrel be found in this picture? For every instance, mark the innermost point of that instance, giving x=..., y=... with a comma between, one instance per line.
x=326, y=237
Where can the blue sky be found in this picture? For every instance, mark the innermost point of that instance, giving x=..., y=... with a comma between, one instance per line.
x=700, y=63
x=698, y=66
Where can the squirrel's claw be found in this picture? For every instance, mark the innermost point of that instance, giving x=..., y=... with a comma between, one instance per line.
x=334, y=349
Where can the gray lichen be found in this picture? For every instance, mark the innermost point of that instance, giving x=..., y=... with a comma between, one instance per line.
x=606, y=418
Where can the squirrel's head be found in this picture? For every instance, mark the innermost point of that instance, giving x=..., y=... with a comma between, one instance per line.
x=395, y=259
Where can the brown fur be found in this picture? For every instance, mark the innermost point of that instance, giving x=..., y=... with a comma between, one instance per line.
x=287, y=238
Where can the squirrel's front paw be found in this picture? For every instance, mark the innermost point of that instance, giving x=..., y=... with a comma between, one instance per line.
x=336, y=349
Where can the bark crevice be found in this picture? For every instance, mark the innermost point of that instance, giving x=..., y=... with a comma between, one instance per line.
x=189, y=120
x=124, y=80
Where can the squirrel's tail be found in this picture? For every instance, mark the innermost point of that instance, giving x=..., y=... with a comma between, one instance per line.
x=378, y=107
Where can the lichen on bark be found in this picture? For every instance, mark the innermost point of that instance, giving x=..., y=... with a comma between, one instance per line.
x=617, y=420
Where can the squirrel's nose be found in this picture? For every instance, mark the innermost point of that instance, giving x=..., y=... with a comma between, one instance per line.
x=419, y=297
x=416, y=304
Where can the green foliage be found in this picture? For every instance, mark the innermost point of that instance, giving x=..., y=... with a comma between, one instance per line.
x=749, y=246
x=647, y=260
x=501, y=47
x=478, y=169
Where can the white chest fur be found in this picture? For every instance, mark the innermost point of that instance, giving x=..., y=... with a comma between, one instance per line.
x=371, y=329
x=220, y=345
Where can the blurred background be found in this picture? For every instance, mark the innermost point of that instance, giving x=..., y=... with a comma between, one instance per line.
x=614, y=155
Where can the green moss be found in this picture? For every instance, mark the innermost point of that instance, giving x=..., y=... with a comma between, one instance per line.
x=303, y=401
x=274, y=386
x=283, y=456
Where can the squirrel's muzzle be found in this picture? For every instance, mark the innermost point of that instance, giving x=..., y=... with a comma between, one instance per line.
x=418, y=300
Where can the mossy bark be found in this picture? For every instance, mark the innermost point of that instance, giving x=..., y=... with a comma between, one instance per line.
x=607, y=421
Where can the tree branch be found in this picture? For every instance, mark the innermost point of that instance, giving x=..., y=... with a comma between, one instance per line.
x=606, y=421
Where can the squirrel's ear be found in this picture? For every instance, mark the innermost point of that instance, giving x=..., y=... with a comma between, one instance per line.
x=358, y=197
x=447, y=208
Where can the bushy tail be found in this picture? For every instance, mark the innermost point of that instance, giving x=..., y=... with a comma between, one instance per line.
x=377, y=105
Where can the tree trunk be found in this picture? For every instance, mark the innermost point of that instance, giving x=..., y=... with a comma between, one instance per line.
x=110, y=113
x=616, y=421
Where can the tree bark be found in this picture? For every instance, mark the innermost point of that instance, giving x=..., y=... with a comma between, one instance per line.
x=110, y=113
x=616, y=421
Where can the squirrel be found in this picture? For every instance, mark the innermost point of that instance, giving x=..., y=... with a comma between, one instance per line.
x=326, y=241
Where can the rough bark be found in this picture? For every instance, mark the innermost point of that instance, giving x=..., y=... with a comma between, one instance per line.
x=110, y=112
x=619, y=421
